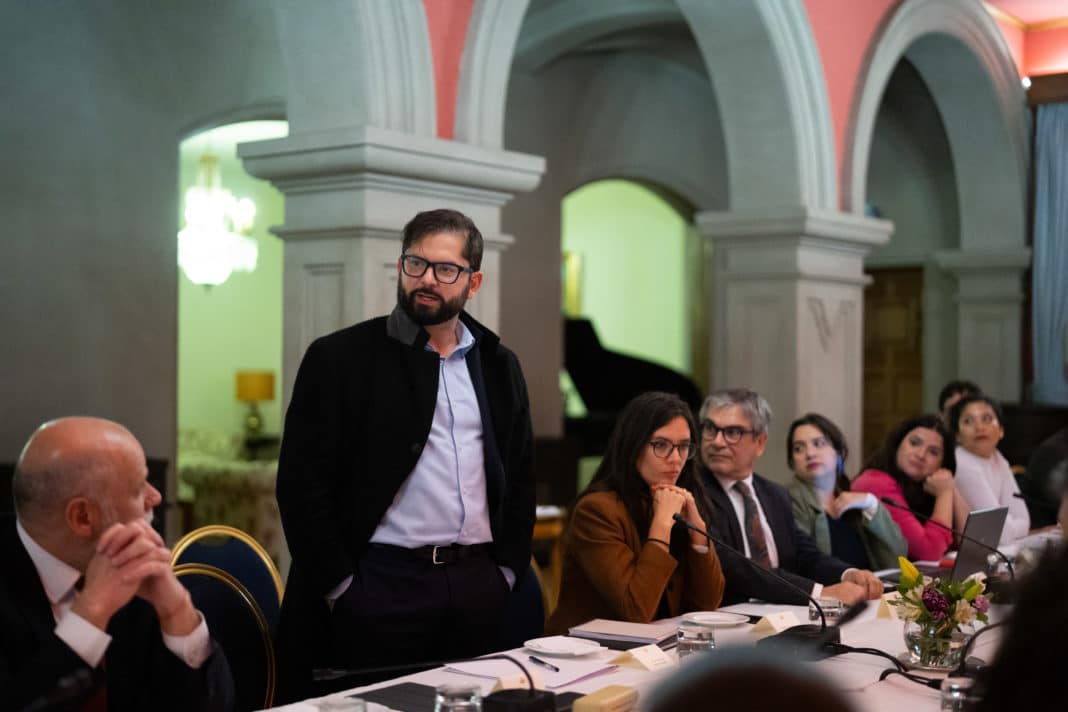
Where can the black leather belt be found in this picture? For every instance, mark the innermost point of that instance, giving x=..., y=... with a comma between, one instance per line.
x=440, y=554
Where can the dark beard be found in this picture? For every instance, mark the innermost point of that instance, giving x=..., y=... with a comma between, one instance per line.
x=427, y=314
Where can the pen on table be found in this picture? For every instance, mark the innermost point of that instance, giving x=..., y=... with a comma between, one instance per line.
x=539, y=661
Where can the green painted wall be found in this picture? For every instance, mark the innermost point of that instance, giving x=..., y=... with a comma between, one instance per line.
x=236, y=325
x=637, y=266
x=640, y=276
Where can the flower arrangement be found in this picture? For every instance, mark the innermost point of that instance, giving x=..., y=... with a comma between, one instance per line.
x=935, y=610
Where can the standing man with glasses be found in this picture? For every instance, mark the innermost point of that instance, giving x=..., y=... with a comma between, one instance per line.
x=754, y=515
x=405, y=480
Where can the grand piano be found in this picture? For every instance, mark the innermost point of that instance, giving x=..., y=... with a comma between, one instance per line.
x=607, y=380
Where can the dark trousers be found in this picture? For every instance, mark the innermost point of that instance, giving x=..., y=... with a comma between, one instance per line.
x=401, y=609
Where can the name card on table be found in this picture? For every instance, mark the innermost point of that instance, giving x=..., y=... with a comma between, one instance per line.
x=517, y=681
x=775, y=623
x=648, y=657
x=885, y=609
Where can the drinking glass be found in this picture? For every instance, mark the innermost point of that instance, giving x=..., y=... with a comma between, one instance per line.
x=458, y=698
x=957, y=695
x=694, y=637
x=342, y=704
x=832, y=610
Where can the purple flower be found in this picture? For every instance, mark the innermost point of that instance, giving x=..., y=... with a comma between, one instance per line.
x=936, y=603
x=981, y=604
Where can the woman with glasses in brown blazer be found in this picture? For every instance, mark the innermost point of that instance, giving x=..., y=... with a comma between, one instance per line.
x=625, y=558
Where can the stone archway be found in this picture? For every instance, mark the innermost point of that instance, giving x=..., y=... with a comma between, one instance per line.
x=786, y=262
x=961, y=56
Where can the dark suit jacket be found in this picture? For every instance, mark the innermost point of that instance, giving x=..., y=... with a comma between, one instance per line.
x=800, y=561
x=362, y=407
x=142, y=674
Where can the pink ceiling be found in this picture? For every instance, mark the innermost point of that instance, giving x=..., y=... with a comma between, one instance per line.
x=1031, y=12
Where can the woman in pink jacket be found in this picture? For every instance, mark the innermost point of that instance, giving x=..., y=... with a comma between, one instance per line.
x=914, y=468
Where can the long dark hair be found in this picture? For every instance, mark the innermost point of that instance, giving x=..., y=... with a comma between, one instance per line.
x=618, y=471
x=833, y=434
x=885, y=459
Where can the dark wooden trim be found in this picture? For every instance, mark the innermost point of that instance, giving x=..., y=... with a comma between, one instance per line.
x=1048, y=89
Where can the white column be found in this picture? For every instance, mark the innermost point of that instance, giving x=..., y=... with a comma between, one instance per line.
x=349, y=193
x=989, y=302
x=788, y=290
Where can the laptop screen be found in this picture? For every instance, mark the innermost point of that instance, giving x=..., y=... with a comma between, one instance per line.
x=984, y=525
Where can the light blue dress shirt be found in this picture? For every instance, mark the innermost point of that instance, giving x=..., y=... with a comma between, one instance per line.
x=443, y=501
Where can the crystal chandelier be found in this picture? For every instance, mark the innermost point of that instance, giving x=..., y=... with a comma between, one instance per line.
x=214, y=242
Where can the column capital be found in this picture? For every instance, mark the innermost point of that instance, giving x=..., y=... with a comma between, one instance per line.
x=986, y=276
x=846, y=229
x=965, y=262
x=792, y=243
x=378, y=178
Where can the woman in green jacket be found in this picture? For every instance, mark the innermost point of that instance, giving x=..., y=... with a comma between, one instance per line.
x=854, y=526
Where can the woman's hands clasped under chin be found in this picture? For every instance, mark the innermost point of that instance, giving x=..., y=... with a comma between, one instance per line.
x=669, y=500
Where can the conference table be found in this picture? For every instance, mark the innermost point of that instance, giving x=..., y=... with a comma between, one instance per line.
x=855, y=675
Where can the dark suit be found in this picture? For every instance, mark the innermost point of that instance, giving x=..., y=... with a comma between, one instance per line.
x=362, y=408
x=800, y=561
x=142, y=674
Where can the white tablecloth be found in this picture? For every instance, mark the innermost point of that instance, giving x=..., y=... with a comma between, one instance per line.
x=856, y=675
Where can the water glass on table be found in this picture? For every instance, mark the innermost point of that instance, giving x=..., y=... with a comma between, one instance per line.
x=832, y=610
x=458, y=698
x=342, y=704
x=694, y=637
x=958, y=695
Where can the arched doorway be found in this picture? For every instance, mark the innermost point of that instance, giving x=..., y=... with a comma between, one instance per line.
x=939, y=147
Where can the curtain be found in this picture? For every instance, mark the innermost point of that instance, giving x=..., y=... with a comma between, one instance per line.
x=1050, y=270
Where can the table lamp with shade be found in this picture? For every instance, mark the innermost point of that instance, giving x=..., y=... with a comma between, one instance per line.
x=253, y=387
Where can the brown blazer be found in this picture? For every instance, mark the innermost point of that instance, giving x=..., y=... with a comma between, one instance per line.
x=610, y=571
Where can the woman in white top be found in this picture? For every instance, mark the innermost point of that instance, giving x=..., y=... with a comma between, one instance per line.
x=983, y=474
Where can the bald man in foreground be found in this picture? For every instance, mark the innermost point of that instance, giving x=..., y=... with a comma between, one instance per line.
x=86, y=590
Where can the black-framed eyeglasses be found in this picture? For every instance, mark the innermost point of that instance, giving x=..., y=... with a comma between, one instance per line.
x=444, y=272
x=664, y=448
x=731, y=433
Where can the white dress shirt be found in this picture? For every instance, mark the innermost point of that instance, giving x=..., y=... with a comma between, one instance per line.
x=738, y=503
x=89, y=642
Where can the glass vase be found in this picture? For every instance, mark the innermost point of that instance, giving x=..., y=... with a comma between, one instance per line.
x=933, y=647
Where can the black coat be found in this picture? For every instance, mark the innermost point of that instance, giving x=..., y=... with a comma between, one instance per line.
x=800, y=560
x=361, y=412
x=142, y=674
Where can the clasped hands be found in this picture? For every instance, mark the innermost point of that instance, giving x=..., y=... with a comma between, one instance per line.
x=846, y=501
x=669, y=500
x=130, y=560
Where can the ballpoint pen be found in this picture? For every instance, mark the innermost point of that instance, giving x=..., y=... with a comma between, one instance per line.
x=539, y=661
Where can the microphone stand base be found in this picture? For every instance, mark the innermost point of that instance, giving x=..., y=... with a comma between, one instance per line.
x=519, y=700
x=806, y=642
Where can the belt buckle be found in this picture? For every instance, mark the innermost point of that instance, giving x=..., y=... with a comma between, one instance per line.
x=434, y=555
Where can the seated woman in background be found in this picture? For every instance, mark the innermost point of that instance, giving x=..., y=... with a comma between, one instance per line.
x=914, y=468
x=984, y=477
x=853, y=526
x=625, y=558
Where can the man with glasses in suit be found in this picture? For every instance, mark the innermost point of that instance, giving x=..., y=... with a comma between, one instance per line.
x=753, y=514
x=404, y=480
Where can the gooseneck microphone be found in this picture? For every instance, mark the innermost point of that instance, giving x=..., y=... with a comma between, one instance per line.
x=962, y=535
x=806, y=640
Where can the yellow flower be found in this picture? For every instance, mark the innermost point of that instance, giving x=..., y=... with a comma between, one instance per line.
x=910, y=575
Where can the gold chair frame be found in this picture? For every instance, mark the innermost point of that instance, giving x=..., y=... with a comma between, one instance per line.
x=261, y=621
x=225, y=530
